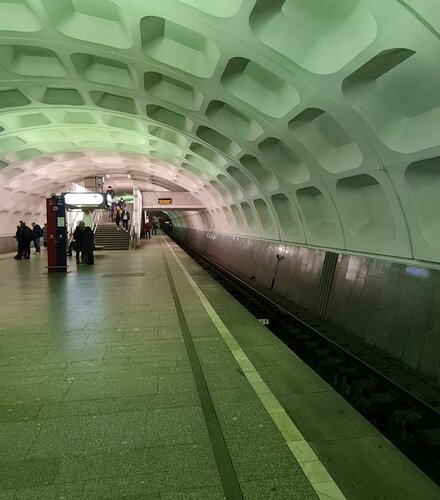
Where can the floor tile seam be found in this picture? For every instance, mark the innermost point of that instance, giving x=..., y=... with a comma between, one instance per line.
x=287, y=427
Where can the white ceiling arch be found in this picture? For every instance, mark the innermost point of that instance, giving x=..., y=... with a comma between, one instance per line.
x=313, y=123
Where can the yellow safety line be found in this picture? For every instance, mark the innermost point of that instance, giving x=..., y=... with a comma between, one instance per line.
x=316, y=473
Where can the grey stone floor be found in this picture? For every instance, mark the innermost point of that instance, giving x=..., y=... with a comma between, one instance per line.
x=98, y=396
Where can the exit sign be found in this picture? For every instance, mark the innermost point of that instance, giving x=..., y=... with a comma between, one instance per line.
x=165, y=201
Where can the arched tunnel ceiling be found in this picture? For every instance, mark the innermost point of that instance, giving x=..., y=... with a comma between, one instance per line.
x=307, y=121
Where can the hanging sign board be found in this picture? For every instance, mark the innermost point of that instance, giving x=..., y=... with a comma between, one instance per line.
x=165, y=201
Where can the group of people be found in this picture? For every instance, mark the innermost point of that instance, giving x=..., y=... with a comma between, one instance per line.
x=150, y=227
x=117, y=210
x=26, y=235
x=83, y=244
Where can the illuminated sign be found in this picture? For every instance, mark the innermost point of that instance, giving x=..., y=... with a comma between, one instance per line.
x=165, y=201
x=85, y=200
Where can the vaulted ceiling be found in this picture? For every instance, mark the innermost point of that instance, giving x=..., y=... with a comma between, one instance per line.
x=309, y=121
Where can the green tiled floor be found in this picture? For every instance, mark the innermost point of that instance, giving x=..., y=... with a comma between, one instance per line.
x=98, y=398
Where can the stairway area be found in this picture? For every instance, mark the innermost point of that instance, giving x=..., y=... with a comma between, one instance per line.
x=108, y=236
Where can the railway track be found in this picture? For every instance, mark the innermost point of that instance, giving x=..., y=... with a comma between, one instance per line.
x=408, y=421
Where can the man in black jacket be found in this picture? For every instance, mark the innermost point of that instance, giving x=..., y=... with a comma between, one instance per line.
x=19, y=245
x=78, y=237
x=37, y=233
x=24, y=238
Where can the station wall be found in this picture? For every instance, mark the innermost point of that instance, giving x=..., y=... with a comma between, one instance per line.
x=392, y=307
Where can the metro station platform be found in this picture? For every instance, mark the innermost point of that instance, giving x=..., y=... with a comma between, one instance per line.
x=140, y=377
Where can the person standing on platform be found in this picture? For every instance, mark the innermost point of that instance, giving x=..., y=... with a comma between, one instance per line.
x=78, y=237
x=25, y=237
x=147, y=227
x=125, y=217
x=36, y=230
x=19, y=244
x=88, y=245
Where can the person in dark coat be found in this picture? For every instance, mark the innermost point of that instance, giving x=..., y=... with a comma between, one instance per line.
x=88, y=245
x=19, y=244
x=78, y=237
x=25, y=237
x=37, y=232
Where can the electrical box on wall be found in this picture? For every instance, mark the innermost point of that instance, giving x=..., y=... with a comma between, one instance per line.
x=94, y=184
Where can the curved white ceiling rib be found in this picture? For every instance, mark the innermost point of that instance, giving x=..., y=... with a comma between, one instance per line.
x=308, y=122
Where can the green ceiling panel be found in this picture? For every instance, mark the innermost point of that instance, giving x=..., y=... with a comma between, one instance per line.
x=60, y=146
x=171, y=90
x=16, y=15
x=62, y=96
x=78, y=118
x=218, y=141
x=320, y=36
x=368, y=209
x=313, y=122
x=114, y=102
x=41, y=135
x=248, y=186
x=28, y=60
x=12, y=98
x=284, y=161
x=231, y=186
x=122, y=122
x=168, y=135
x=320, y=216
x=251, y=219
x=208, y=154
x=234, y=121
x=103, y=70
x=10, y=143
x=170, y=118
x=202, y=164
x=90, y=21
x=267, y=222
x=423, y=181
x=258, y=87
x=23, y=154
x=178, y=46
x=288, y=217
x=25, y=120
x=264, y=178
x=390, y=94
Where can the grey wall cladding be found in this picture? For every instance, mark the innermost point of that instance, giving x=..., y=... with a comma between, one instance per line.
x=393, y=307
